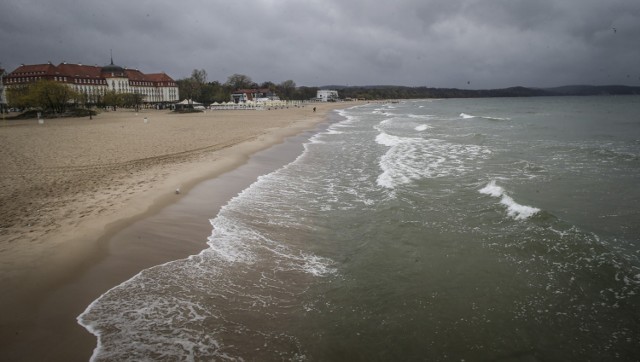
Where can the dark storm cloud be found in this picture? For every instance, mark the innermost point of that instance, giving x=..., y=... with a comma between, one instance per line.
x=468, y=43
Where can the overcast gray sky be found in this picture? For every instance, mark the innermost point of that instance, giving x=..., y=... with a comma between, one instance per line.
x=437, y=43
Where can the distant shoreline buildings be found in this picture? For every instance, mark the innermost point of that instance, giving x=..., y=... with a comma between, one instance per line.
x=253, y=95
x=94, y=81
x=327, y=95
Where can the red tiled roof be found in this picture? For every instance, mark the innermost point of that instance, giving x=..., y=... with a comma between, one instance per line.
x=31, y=69
x=83, y=71
x=158, y=77
x=134, y=74
x=79, y=70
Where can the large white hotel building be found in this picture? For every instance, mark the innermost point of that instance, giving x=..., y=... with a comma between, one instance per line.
x=94, y=81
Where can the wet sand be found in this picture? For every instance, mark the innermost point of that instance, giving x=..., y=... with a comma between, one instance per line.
x=52, y=270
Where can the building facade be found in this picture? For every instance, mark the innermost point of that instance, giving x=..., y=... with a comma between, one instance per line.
x=253, y=95
x=94, y=81
x=3, y=95
x=327, y=95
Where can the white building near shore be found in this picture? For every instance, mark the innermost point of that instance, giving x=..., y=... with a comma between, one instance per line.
x=327, y=95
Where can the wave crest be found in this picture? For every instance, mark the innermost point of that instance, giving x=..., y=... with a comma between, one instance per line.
x=514, y=210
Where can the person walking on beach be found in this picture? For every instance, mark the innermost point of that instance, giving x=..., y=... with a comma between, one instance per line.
x=314, y=109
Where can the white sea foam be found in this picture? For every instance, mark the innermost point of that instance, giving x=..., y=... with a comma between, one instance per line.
x=138, y=305
x=420, y=116
x=517, y=211
x=514, y=210
x=467, y=116
x=332, y=130
x=383, y=111
x=414, y=158
x=229, y=239
x=317, y=266
x=423, y=127
x=492, y=190
x=388, y=140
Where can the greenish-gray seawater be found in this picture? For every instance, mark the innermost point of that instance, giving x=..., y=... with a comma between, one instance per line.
x=462, y=229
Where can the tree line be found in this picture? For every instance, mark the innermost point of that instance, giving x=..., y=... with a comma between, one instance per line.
x=51, y=96
x=401, y=92
x=197, y=88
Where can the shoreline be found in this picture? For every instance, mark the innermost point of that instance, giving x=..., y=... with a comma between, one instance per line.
x=39, y=300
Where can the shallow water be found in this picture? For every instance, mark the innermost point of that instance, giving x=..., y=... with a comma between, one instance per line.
x=432, y=230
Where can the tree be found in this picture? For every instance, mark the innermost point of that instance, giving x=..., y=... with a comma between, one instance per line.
x=19, y=97
x=286, y=89
x=215, y=92
x=193, y=88
x=199, y=80
x=53, y=96
x=112, y=99
x=221, y=92
x=239, y=81
x=188, y=88
x=132, y=100
x=199, y=76
x=44, y=94
x=269, y=85
x=305, y=93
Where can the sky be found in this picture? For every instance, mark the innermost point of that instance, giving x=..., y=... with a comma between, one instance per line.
x=476, y=44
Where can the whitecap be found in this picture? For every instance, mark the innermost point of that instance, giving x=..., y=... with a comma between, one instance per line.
x=467, y=116
x=388, y=140
x=517, y=211
x=415, y=158
x=492, y=189
x=514, y=210
x=419, y=116
x=497, y=118
x=423, y=127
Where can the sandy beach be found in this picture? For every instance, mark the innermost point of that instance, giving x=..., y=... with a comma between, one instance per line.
x=74, y=193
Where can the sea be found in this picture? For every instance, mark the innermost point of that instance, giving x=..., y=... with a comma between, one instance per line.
x=494, y=229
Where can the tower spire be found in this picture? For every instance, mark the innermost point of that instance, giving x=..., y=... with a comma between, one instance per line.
x=111, y=51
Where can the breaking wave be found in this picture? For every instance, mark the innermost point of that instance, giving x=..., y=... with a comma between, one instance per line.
x=514, y=209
